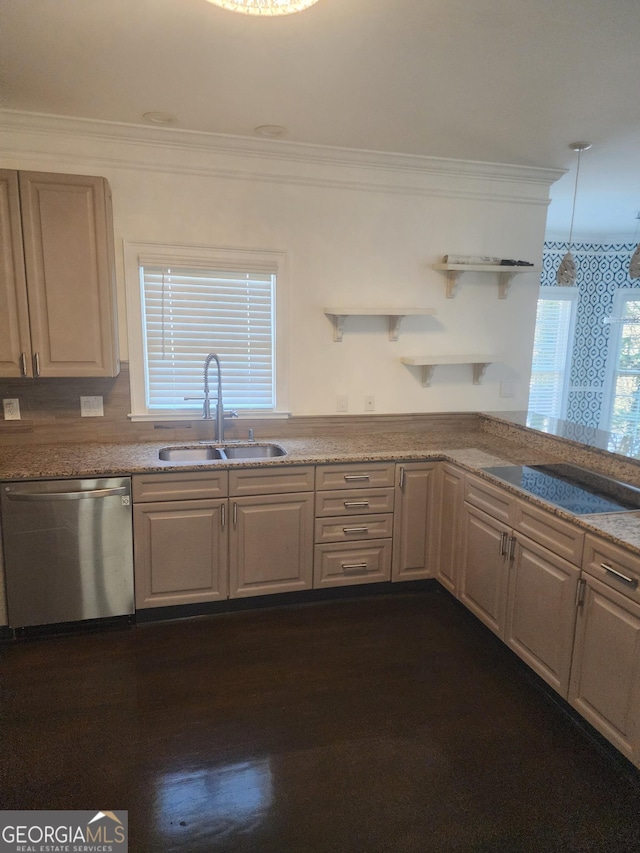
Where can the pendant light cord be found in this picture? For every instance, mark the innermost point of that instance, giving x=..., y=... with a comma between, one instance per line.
x=575, y=193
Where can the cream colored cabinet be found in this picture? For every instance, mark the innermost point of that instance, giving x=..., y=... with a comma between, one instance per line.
x=523, y=587
x=354, y=523
x=605, y=676
x=192, y=544
x=451, y=490
x=57, y=276
x=484, y=568
x=415, y=534
x=541, y=611
x=180, y=536
x=271, y=530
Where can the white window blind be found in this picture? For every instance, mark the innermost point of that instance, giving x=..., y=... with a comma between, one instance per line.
x=552, y=354
x=188, y=313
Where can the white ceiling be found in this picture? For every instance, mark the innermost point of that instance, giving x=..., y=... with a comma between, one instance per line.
x=504, y=81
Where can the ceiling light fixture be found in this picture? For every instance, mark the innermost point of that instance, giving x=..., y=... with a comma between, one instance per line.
x=264, y=7
x=566, y=275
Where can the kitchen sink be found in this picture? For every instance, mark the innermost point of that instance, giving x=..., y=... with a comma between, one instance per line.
x=208, y=452
x=190, y=454
x=253, y=451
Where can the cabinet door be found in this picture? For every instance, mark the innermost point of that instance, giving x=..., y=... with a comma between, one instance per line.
x=415, y=530
x=451, y=503
x=605, y=675
x=68, y=250
x=180, y=552
x=271, y=544
x=15, y=342
x=484, y=567
x=541, y=611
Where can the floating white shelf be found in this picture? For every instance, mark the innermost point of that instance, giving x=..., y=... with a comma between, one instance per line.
x=428, y=363
x=506, y=275
x=395, y=315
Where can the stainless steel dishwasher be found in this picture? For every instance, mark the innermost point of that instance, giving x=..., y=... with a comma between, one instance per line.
x=68, y=550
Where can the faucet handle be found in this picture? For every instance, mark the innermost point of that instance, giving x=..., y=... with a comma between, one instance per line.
x=230, y=414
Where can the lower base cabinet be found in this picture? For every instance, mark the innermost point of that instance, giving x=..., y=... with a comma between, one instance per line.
x=541, y=611
x=451, y=491
x=605, y=678
x=523, y=592
x=180, y=552
x=415, y=527
x=271, y=544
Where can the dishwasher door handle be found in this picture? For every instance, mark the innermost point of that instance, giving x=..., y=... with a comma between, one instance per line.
x=65, y=496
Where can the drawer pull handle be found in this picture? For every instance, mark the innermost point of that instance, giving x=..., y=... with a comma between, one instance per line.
x=352, y=477
x=354, y=567
x=633, y=582
x=355, y=529
x=356, y=503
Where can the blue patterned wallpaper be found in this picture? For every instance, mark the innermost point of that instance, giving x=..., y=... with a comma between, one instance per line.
x=601, y=270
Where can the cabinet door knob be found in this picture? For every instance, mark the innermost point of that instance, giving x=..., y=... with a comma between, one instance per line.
x=512, y=547
x=36, y=363
x=23, y=363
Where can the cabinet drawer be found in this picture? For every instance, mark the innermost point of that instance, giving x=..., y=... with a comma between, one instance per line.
x=614, y=566
x=346, y=528
x=354, y=501
x=559, y=536
x=359, y=475
x=345, y=565
x=192, y=485
x=278, y=480
x=491, y=499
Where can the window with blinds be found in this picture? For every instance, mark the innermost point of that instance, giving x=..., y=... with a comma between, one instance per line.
x=623, y=379
x=188, y=313
x=553, y=341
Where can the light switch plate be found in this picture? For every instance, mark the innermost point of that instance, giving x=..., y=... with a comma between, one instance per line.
x=91, y=407
x=11, y=408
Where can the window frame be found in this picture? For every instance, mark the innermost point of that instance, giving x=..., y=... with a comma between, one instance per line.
x=571, y=295
x=620, y=298
x=207, y=257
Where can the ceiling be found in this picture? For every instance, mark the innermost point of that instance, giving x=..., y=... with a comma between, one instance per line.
x=503, y=81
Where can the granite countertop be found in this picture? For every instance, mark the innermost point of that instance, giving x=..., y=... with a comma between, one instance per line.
x=473, y=451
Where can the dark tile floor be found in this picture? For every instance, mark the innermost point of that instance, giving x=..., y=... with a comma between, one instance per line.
x=395, y=723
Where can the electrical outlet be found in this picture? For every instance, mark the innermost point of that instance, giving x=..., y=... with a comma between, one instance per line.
x=342, y=403
x=11, y=407
x=507, y=389
x=91, y=407
x=370, y=403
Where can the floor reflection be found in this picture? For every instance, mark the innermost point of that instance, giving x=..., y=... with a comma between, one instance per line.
x=214, y=801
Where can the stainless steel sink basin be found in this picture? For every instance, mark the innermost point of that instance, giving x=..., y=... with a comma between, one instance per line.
x=190, y=454
x=253, y=451
x=209, y=452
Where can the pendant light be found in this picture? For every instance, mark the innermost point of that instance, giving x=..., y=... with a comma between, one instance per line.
x=634, y=263
x=566, y=275
x=264, y=7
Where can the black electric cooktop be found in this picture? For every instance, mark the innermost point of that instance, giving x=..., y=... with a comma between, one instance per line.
x=571, y=488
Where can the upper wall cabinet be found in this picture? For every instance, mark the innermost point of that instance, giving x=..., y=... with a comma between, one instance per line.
x=57, y=283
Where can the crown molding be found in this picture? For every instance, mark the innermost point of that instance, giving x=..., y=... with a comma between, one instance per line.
x=40, y=136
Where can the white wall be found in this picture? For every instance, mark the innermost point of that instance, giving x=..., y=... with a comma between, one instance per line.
x=359, y=229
